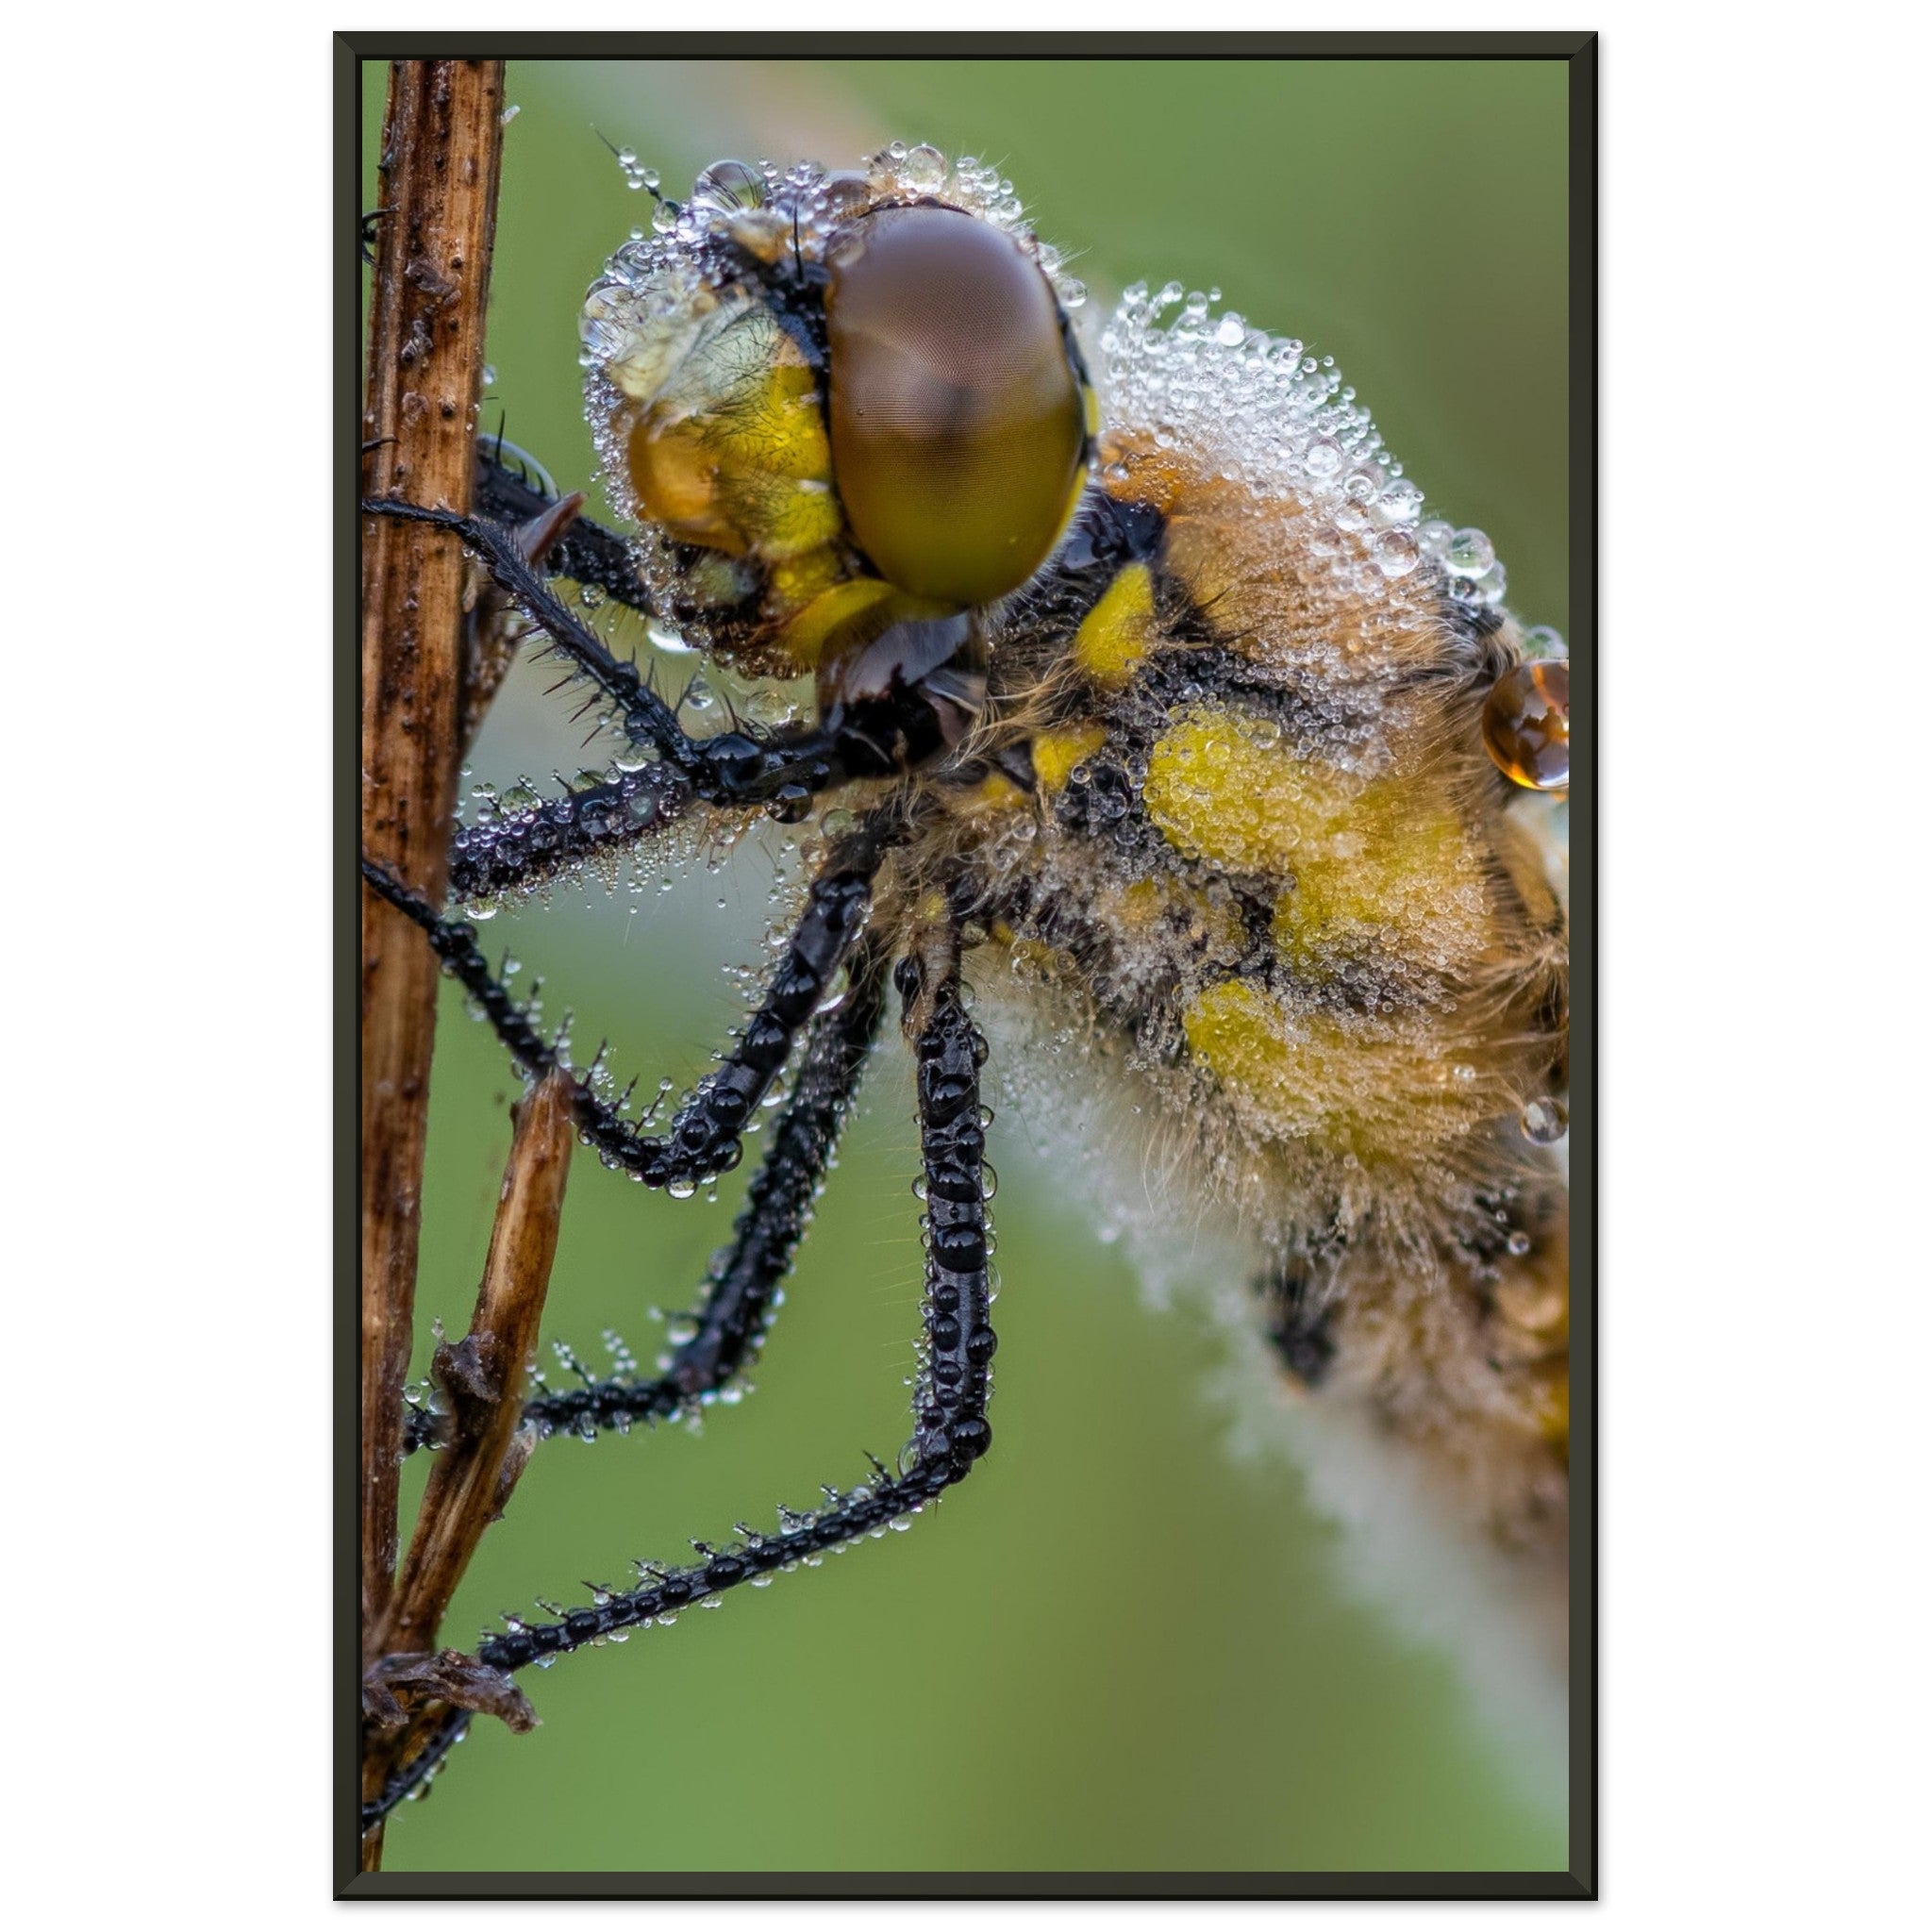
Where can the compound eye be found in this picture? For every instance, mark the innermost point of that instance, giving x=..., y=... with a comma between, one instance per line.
x=957, y=425
x=1527, y=723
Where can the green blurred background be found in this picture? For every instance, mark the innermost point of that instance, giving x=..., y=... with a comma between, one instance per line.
x=1118, y=1648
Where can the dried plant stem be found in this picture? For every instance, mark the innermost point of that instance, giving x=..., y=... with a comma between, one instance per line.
x=483, y=1374
x=407, y=1685
x=442, y=153
x=442, y=149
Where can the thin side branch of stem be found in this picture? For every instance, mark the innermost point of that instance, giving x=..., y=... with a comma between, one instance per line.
x=482, y=1375
x=410, y=1687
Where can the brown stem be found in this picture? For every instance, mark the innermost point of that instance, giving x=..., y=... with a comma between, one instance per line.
x=443, y=144
x=408, y=1684
x=482, y=1375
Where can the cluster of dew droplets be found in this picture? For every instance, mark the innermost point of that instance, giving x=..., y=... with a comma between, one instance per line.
x=898, y=173
x=1270, y=414
x=658, y=280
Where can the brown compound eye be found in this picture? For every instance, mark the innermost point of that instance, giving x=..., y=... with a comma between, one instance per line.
x=956, y=422
x=1526, y=725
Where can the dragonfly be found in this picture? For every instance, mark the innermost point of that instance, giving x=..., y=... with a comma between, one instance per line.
x=1142, y=702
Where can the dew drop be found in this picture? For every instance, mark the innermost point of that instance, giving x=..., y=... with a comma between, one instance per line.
x=924, y=167
x=727, y=187
x=1323, y=458
x=1469, y=553
x=1526, y=725
x=1395, y=553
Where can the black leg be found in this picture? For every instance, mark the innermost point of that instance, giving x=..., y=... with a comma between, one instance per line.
x=513, y=851
x=703, y=1137
x=587, y=552
x=736, y=1311
x=950, y=1430
x=782, y=769
x=450, y=1732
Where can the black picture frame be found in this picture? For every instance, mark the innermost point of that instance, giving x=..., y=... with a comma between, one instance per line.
x=1579, y=1880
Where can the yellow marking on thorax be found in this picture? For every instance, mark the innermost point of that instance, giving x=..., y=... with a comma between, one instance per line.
x=1388, y=862
x=994, y=792
x=1350, y=1083
x=1405, y=879
x=1220, y=791
x=1056, y=753
x=1120, y=630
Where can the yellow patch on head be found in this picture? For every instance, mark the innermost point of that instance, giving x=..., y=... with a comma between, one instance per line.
x=731, y=450
x=1120, y=630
